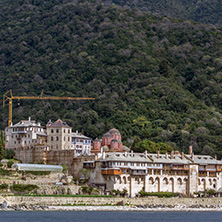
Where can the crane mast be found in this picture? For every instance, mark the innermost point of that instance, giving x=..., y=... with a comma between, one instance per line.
x=9, y=97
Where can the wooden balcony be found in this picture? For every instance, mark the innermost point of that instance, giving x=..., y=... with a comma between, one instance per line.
x=111, y=172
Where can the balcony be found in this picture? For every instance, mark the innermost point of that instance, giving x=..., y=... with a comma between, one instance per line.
x=138, y=172
x=89, y=165
x=111, y=172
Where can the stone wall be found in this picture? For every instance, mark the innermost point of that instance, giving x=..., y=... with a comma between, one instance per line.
x=58, y=201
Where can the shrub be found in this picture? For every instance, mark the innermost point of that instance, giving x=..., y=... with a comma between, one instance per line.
x=9, y=154
x=3, y=186
x=10, y=163
x=4, y=172
x=158, y=194
x=211, y=192
x=23, y=188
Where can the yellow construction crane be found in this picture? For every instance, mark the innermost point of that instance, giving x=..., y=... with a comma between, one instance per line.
x=9, y=97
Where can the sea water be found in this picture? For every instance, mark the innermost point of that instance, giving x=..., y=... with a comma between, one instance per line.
x=85, y=216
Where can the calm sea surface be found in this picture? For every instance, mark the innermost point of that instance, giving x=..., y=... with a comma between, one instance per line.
x=83, y=216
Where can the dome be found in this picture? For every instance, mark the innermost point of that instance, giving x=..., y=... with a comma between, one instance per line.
x=96, y=140
x=107, y=135
x=114, y=131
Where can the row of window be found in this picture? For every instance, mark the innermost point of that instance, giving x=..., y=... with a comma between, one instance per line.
x=81, y=141
x=21, y=136
x=58, y=131
x=19, y=129
x=57, y=138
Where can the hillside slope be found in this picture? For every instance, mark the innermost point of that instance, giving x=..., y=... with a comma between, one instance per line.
x=153, y=78
x=203, y=11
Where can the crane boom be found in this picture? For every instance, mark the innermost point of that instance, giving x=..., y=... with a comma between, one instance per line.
x=9, y=97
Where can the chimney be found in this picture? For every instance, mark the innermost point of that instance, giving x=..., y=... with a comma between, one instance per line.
x=145, y=153
x=29, y=118
x=158, y=154
x=104, y=155
x=192, y=156
x=215, y=157
x=166, y=155
x=190, y=150
x=131, y=153
x=182, y=155
x=172, y=154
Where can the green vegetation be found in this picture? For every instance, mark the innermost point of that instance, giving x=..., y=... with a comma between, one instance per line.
x=156, y=79
x=36, y=173
x=23, y=188
x=3, y=186
x=10, y=163
x=4, y=172
x=203, y=11
x=158, y=194
x=211, y=192
x=9, y=154
x=87, y=190
x=67, y=195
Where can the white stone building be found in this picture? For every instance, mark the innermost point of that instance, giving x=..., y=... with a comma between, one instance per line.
x=25, y=133
x=177, y=172
x=59, y=135
x=81, y=144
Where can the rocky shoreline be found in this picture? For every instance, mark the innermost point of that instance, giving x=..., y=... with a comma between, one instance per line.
x=198, y=207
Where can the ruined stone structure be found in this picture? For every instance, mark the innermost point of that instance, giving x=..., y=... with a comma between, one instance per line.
x=176, y=172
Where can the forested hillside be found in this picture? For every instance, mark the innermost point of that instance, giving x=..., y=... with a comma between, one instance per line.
x=154, y=78
x=204, y=11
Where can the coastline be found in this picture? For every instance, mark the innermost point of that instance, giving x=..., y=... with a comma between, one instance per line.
x=148, y=204
x=112, y=208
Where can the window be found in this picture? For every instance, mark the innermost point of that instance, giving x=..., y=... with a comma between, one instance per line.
x=52, y=131
x=64, y=138
x=57, y=138
x=51, y=138
x=68, y=138
x=64, y=131
x=57, y=131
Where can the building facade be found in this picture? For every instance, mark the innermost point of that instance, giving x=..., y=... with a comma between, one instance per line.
x=111, y=141
x=82, y=144
x=59, y=135
x=175, y=172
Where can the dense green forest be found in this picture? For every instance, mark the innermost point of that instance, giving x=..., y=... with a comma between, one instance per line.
x=204, y=11
x=154, y=78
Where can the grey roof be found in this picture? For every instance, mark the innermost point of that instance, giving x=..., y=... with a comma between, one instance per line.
x=58, y=123
x=129, y=157
x=27, y=123
x=79, y=135
x=204, y=159
x=163, y=158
